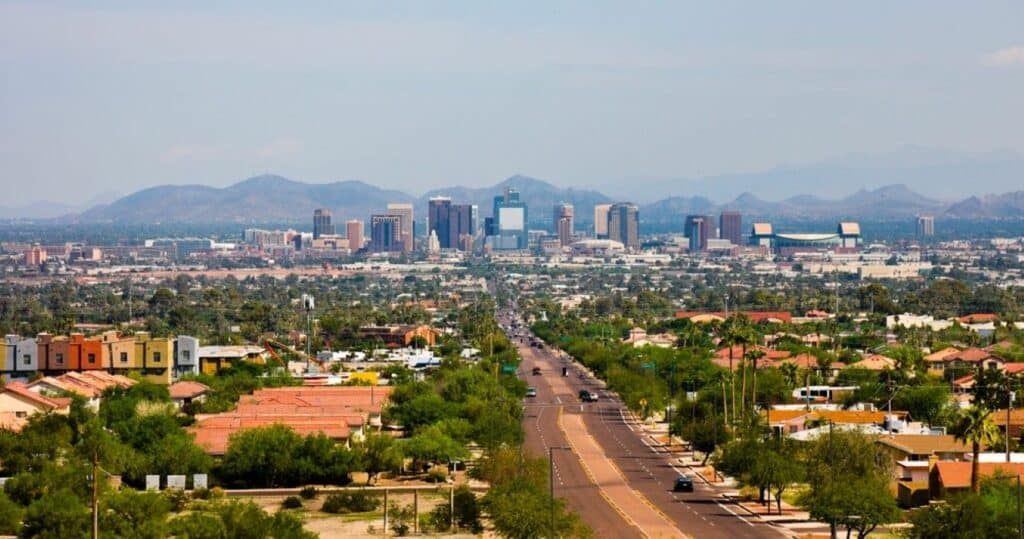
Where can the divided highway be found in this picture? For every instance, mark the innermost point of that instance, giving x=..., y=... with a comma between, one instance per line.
x=603, y=432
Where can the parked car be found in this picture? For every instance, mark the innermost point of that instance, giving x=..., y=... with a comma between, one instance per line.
x=683, y=483
x=536, y=371
x=531, y=392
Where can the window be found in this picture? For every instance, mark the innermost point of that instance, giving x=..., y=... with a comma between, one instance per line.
x=92, y=359
x=26, y=359
x=124, y=357
x=60, y=358
x=156, y=357
x=186, y=355
x=21, y=414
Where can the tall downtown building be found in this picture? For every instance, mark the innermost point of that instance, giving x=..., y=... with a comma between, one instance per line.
x=408, y=225
x=624, y=224
x=454, y=225
x=322, y=225
x=508, y=222
x=355, y=233
x=730, y=227
x=698, y=230
x=925, y=226
x=563, y=221
x=386, y=233
x=601, y=220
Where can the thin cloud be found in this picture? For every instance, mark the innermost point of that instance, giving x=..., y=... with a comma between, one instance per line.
x=1011, y=56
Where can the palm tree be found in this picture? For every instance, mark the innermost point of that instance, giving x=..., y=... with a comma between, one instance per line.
x=730, y=336
x=753, y=356
x=722, y=378
x=975, y=426
x=789, y=373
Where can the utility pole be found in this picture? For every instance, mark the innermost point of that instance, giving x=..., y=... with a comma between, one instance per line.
x=95, y=494
x=1009, y=406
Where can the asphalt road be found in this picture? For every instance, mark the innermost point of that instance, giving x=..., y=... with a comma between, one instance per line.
x=646, y=466
x=540, y=423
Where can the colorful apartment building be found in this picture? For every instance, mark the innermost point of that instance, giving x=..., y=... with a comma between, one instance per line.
x=21, y=357
x=70, y=353
x=159, y=360
x=154, y=357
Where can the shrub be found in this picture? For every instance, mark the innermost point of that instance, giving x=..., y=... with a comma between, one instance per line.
x=401, y=519
x=217, y=493
x=177, y=499
x=308, y=492
x=354, y=501
x=437, y=474
x=201, y=494
x=292, y=502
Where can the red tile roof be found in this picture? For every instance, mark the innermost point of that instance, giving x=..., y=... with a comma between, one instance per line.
x=46, y=403
x=187, y=389
x=754, y=316
x=333, y=410
x=957, y=474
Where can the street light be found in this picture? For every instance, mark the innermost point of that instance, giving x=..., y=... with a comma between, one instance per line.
x=551, y=481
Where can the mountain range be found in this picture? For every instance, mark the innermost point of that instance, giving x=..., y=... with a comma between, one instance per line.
x=274, y=199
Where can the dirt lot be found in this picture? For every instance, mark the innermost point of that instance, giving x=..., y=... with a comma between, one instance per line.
x=358, y=525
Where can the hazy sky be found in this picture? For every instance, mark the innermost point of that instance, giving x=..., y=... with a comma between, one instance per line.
x=116, y=96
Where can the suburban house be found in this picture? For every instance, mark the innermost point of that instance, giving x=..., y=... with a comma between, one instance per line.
x=18, y=403
x=214, y=358
x=792, y=421
x=187, y=391
x=704, y=317
x=948, y=477
x=397, y=336
x=639, y=338
x=87, y=384
x=937, y=362
x=874, y=362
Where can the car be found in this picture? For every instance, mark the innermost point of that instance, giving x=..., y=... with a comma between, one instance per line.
x=536, y=371
x=531, y=392
x=587, y=396
x=683, y=483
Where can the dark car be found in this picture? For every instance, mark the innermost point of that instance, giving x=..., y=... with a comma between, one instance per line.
x=587, y=396
x=536, y=371
x=683, y=483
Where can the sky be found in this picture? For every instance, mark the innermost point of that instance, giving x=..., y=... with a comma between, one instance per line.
x=111, y=97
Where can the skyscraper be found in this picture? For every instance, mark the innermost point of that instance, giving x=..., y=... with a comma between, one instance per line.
x=408, y=224
x=438, y=219
x=624, y=224
x=322, y=223
x=925, y=226
x=563, y=217
x=355, y=233
x=462, y=223
x=510, y=217
x=386, y=233
x=601, y=220
x=730, y=227
x=698, y=230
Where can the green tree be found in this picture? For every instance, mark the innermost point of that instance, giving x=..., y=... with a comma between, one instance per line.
x=431, y=445
x=848, y=484
x=132, y=514
x=261, y=457
x=10, y=516
x=380, y=454
x=975, y=426
x=58, y=515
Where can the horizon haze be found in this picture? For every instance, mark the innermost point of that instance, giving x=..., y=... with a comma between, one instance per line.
x=685, y=99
